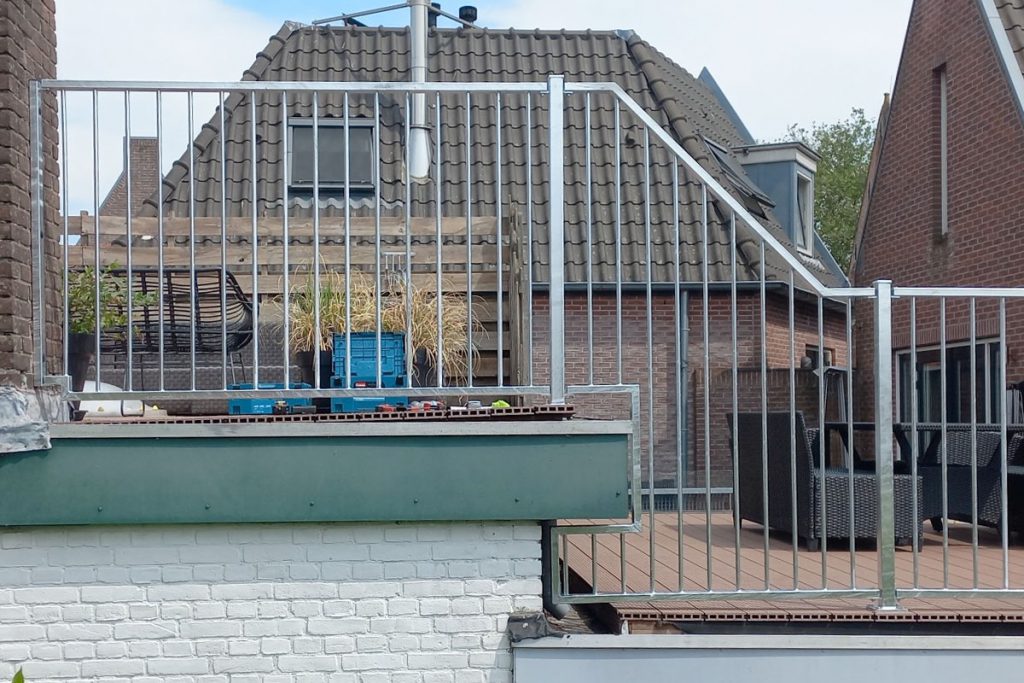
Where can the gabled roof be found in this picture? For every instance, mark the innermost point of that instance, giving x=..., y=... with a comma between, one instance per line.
x=682, y=105
x=1008, y=15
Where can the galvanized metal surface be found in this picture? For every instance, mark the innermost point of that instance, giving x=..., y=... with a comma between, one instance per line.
x=752, y=659
x=617, y=359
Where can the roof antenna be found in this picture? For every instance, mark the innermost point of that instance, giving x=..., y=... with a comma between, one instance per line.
x=465, y=19
x=423, y=14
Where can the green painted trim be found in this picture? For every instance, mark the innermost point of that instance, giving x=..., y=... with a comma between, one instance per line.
x=317, y=479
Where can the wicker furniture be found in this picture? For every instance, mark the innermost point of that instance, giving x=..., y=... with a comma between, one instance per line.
x=959, y=503
x=821, y=512
x=193, y=308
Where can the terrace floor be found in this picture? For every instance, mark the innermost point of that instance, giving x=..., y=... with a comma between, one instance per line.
x=839, y=572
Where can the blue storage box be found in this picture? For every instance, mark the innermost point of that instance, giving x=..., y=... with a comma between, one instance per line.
x=263, y=406
x=365, y=404
x=363, y=362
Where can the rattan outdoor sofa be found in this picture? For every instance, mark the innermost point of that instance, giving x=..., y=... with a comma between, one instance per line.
x=821, y=512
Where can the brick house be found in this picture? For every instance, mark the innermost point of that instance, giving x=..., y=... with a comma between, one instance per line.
x=28, y=50
x=946, y=185
x=774, y=181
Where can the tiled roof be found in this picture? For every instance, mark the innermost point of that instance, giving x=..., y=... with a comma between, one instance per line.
x=683, y=106
x=1012, y=14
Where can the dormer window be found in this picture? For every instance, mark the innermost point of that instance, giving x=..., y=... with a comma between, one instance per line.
x=785, y=171
x=332, y=144
x=804, y=236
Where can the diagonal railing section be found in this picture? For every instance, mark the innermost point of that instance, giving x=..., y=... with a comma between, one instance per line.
x=784, y=446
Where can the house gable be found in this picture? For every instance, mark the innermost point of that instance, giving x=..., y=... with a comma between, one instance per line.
x=902, y=237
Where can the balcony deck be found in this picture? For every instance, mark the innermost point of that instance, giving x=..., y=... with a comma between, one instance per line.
x=781, y=574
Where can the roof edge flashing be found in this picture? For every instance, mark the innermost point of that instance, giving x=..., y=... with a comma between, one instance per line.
x=775, y=152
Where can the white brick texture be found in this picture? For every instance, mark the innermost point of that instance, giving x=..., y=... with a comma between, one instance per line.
x=288, y=603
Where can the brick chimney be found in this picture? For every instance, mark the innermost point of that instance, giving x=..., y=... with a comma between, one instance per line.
x=142, y=155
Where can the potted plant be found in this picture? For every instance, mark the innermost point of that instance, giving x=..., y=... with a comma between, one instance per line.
x=362, y=315
x=82, y=309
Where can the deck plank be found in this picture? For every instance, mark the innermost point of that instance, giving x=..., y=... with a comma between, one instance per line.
x=781, y=572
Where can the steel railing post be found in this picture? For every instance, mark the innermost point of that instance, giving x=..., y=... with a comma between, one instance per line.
x=556, y=245
x=886, y=540
x=38, y=231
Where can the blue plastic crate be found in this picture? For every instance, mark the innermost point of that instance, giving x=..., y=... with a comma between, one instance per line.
x=263, y=406
x=363, y=362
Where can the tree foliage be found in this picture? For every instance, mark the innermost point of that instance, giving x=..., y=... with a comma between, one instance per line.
x=845, y=149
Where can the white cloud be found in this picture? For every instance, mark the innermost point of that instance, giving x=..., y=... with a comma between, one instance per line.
x=779, y=62
x=200, y=40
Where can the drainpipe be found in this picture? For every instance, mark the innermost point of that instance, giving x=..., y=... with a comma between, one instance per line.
x=419, y=138
x=549, y=571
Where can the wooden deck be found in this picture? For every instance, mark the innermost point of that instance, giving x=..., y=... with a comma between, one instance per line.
x=837, y=569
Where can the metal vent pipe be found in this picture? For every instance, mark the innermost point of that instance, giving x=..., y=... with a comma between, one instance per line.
x=419, y=137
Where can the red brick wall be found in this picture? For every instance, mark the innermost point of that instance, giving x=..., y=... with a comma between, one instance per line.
x=662, y=394
x=902, y=239
x=28, y=50
x=142, y=153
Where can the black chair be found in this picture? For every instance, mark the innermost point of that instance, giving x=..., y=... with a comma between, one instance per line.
x=813, y=502
x=959, y=503
x=192, y=306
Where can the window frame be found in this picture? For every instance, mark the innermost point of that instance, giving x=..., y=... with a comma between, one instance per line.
x=331, y=185
x=987, y=381
x=805, y=213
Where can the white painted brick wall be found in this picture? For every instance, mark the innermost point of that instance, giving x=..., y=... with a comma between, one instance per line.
x=300, y=603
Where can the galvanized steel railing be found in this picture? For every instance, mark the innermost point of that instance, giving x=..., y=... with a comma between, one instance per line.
x=659, y=246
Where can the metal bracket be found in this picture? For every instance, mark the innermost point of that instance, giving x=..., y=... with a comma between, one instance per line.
x=62, y=381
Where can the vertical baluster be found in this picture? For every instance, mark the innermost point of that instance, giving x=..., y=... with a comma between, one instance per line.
x=98, y=270
x=160, y=236
x=943, y=446
x=254, y=154
x=438, y=208
x=915, y=440
x=192, y=293
x=410, y=348
x=679, y=397
x=705, y=302
x=318, y=340
x=821, y=443
x=649, y=300
x=974, y=442
x=286, y=267
x=735, y=341
x=792, y=432
x=501, y=242
x=129, y=280
x=764, y=420
x=469, y=239
x=63, y=125
x=376, y=236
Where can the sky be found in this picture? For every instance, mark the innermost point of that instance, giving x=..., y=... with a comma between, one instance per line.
x=780, y=62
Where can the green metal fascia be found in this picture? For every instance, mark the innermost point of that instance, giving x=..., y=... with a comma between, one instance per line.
x=172, y=480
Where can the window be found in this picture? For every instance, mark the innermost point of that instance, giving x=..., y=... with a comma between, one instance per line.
x=958, y=383
x=942, y=88
x=331, y=135
x=754, y=198
x=804, y=236
x=812, y=361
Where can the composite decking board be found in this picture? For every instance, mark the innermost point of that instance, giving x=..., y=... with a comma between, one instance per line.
x=808, y=572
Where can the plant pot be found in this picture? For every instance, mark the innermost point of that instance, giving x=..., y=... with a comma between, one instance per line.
x=81, y=352
x=424, y=373
x=304, y=359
